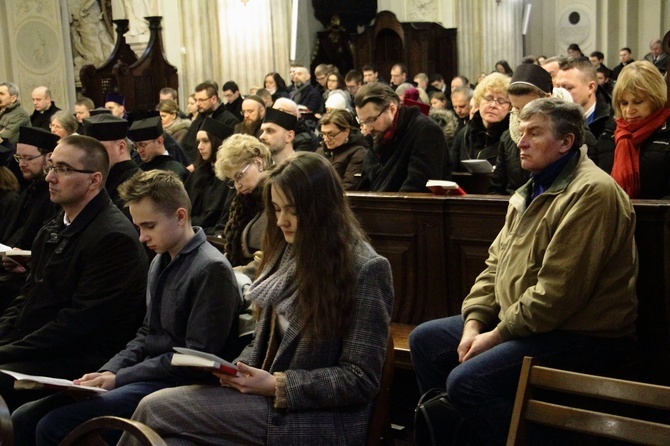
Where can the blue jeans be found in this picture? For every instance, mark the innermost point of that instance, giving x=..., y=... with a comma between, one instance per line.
x=48, y=421
x=484, y=387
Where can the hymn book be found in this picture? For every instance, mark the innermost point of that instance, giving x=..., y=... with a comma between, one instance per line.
x=444, y=187
x=194, y=358
x=477, y=166
x=30, y=382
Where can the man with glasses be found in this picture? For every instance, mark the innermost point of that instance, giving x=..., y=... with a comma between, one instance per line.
x=33, y=207
x=85, y=295
x=147, y=134
x=408, y=147
x=209, y=105
x=25, y=218
x=353, y=80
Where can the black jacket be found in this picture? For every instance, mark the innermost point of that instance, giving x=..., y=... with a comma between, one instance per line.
x=190, y=143
x=43, y=119
x=166, y=162
x=24, y=220
x=84, y=297
x=654, y=160
x=208, y=197
x=414, y=155
x=474, y=141
x=118, y=174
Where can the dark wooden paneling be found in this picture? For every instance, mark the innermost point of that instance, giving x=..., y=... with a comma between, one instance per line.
x=437, y=245
x=422, y=46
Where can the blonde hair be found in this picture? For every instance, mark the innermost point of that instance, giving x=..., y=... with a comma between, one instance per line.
x=641, y=78
x=238, y=150
x=494, y=82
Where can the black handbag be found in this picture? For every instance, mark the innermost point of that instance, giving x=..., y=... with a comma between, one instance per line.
x=437, y=422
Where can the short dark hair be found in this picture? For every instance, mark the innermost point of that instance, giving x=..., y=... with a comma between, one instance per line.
x=94, y=155
x=230, y=85
x=353, y=75
x=369, y=67
x=566, y=117
x=378, y=93
x=604, y=70
x=171, y=91
x=582, y=64
x=210, y=87
x=626, y=49
x=436, y=77
x=163, y=188
x=402, y=66
x=597, y=54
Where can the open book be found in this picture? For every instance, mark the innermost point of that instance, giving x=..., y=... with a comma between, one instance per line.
x=444, y=187
x=477, y=166
x=24, y=381
x=194, y=358
x=19, y=256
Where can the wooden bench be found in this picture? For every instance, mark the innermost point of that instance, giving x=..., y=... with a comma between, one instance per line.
x=437, y=246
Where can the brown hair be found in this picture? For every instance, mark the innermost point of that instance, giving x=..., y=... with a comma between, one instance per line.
x=324, y=241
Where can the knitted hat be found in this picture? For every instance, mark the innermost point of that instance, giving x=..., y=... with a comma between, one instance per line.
x=531, y=74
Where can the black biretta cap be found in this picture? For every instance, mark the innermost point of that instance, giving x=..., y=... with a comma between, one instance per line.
x=38, y=137
x=280, y=118
x=216, y=128
x=146, y=129
x=105, y=127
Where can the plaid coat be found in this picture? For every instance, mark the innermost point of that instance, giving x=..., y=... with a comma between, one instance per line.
x=329, y=385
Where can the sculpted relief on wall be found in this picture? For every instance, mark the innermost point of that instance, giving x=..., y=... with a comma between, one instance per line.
x=91, y=40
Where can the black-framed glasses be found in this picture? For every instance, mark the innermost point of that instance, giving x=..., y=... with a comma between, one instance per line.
x=371, y=121
x=143, y=144
x=20, y=158
x=330, y=136
x=60, y=171
x=238, y=177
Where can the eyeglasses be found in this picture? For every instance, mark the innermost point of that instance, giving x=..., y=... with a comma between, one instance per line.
x=20, y=158
x=330, y=136
x=60, y=171
x=238, y=177
x=143, y=145
x=491, y=100
x=371, y=121
x=203, y=99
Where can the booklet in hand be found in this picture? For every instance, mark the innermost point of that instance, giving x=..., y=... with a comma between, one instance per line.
x=477, y=166
x=194, y=358
x=24, y=381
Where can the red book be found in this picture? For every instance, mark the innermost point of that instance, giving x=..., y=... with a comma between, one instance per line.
x=194, y=358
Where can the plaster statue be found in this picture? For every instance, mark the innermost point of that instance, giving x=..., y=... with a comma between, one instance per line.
x=91, y=42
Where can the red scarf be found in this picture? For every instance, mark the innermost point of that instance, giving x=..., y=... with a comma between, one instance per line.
x=628, y=137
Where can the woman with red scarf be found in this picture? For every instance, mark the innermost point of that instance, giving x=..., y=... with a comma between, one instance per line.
x=637, y=151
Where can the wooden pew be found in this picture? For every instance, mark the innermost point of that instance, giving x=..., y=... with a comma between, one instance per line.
x=437, y=246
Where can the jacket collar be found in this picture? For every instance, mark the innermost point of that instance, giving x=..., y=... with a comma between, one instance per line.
x=84, y=218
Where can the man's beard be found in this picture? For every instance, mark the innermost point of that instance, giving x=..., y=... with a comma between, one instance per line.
x=250, y=127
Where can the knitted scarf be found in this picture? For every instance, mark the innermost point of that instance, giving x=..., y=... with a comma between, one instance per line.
x=242, y=210
x=277, y=287
x=628, y=137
